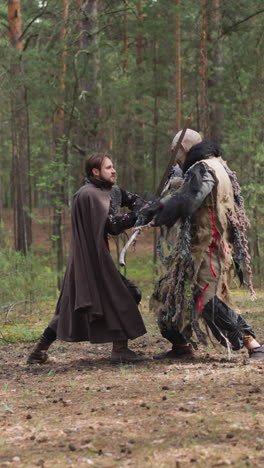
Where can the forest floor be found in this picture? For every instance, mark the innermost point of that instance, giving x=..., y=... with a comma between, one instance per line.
x=79, y=410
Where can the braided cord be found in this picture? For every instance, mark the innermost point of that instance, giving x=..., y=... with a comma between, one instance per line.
x=240, y=223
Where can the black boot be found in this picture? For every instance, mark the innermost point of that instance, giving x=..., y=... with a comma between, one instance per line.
x=177, y=352
x=122, y=354
x=256, y=354
x=39, y=355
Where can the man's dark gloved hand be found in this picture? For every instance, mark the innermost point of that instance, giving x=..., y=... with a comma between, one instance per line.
x=138, y=205
x=168, y=213
x=147, y=213
x=196, y=187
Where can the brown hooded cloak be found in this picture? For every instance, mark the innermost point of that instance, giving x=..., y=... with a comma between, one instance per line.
x=94, y=304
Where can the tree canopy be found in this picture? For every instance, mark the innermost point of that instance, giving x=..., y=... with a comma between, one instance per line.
x=120, y=76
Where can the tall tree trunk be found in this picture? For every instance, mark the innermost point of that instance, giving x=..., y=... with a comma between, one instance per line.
x=123, y=130
x=60, y=146
x=138, y=128
x=204, y=73
x=90, y=134
x=125, y=40
x=1, y=177
x=215, y=82
x=100, y=140
x=255, y=166
x=20, y=134
x=155, y=137
x=178, y=66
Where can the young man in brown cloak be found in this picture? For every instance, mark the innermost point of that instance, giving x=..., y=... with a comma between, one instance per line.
x=96, y=303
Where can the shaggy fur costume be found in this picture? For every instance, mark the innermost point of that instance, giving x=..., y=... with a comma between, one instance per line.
x=211, y=230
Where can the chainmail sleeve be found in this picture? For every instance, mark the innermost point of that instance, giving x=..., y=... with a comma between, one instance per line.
x=117, y=224
x=131, y=200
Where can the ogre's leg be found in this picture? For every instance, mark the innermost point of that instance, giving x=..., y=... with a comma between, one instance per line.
x=225, y=324
x=180, y=347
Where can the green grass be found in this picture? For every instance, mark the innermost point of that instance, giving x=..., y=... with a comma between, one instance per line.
x=25, y=322
x=20, y=334
x=141, y=271
x=25, y=326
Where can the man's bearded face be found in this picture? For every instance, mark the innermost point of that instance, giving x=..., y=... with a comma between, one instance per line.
x=107, y=171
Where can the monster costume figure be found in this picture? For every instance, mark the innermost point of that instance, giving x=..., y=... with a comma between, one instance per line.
x=206, y=212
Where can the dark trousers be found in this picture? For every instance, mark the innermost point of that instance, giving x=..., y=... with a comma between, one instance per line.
x=171, y=332
x=225, y=324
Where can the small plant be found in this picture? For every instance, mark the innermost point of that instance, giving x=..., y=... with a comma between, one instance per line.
x=124, y=369
x=6, y=408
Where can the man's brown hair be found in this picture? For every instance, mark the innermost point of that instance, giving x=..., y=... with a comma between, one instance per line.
x=94, y=161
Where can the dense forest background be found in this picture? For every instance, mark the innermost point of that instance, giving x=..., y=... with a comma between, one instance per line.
x=120, y=76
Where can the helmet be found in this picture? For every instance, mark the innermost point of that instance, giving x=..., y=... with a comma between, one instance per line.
x=190, y=138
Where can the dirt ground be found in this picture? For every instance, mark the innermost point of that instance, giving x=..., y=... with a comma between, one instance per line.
x=79, y=410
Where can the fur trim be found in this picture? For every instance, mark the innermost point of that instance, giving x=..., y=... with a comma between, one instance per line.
x=203, y=150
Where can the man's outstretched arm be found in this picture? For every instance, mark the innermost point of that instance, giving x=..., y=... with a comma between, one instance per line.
x=198, y=184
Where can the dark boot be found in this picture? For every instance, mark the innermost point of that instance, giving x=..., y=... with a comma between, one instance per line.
x=177, y=352
x=256, y=354
x=122, y=354
x=38, y=355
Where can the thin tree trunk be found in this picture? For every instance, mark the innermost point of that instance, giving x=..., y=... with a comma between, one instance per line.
x=204, y=73
x=155, y=118
x=123, y=131
x=139, y=39
x=215, y=82
x=1, y=177
x=178, y=67
x=125, y=40
x=90, y=134
x=155, y=138
x=138, y=127
x=60, y=146
x=100, y=139
x=20, y=133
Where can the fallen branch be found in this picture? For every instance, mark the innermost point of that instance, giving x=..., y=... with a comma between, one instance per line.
x=3, y=338
x=11, y=306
